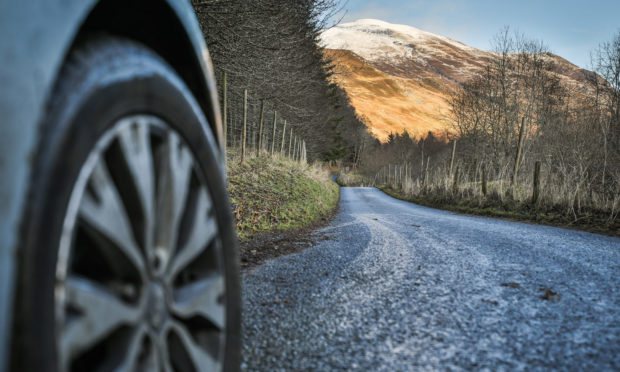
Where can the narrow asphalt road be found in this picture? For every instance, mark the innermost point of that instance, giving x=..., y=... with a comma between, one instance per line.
x=400, y=287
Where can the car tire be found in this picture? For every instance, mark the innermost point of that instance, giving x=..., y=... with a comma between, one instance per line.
x=128, y=255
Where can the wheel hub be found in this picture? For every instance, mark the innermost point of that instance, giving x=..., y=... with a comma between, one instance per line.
x=140, y=268
x=157, y=311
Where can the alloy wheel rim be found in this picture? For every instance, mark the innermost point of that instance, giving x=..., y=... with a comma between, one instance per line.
x=139, y=276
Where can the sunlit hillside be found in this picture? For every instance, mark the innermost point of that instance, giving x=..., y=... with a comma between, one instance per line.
x=398, y=77
x=389, y=103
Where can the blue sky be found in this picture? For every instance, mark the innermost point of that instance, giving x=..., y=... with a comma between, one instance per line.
x=571, y=29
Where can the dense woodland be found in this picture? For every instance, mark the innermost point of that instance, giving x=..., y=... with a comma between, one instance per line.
x=270, y=48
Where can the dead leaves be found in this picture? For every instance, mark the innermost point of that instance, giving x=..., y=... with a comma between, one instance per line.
x=511, y=285
x=276, y=302
x=549, y=295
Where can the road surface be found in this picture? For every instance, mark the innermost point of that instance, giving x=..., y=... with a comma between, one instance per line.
x=400, y=287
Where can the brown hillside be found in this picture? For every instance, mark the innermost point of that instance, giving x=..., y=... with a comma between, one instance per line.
x=398, y=77
x=389, y=103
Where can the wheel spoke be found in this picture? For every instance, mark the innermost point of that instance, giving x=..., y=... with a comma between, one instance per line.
x=108, y=216
x=203, y=230
x=163, y=357
x=173, y=184
x=201, y=360
x=201, y=298
x=130, y=362
x=136, y=149
x=101, y=313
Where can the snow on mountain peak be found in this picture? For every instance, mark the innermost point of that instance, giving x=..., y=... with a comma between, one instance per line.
x=374, y=40
x=370, y=25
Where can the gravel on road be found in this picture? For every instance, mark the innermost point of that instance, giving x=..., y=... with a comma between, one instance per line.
x=400, y=287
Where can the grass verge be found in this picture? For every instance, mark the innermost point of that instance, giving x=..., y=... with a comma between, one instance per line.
x=274, y=193
x=518, y=211
x=350, y=179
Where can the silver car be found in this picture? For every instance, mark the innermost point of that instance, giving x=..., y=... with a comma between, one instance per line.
x=117, y=244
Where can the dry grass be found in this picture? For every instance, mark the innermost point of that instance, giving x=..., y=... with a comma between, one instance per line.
x=570, y=202
x=351, y=180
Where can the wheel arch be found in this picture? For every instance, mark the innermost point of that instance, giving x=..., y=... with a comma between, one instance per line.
x=169, y=27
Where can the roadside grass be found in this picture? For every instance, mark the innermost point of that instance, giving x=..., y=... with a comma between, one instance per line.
x=490, y=206
x=502, y=201
x=275, y=193
x=350, y=179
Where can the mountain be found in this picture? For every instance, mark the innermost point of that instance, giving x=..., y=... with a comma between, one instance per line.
x=398, y=77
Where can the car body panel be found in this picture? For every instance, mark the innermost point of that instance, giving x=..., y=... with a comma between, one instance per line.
x=36, y=37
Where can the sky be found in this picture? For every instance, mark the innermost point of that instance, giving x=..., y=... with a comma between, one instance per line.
x=571, y=29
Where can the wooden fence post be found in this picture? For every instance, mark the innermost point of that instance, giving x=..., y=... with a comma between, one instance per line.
x=452, y=157
x=283, y=138
x=304, y=158
x=259, y=148
x=290, y=142
x=455, y=185
x=428, y=161
x=232, y=129
x=519, y=149
x=245, y=124
x=536, y=189
x=484, y=180
x=224, y=111
x=273, y=135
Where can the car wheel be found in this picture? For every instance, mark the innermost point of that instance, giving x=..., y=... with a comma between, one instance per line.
x=129, y=257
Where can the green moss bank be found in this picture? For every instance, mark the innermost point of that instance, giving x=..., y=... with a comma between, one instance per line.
x=270, y=193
